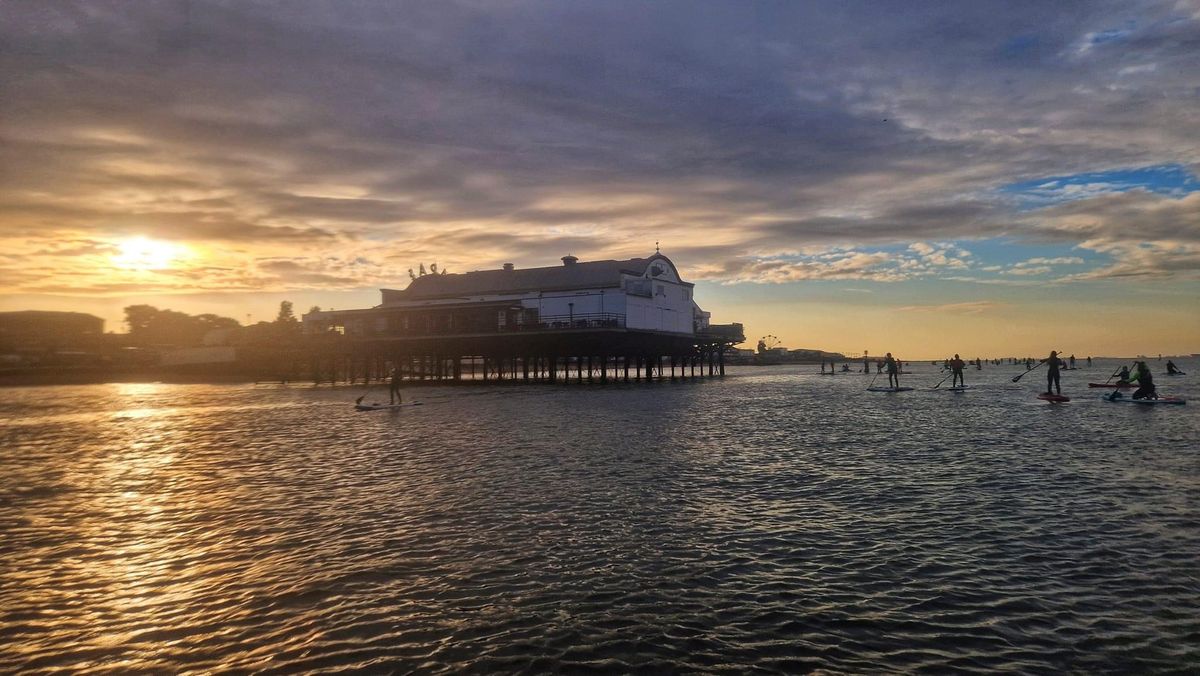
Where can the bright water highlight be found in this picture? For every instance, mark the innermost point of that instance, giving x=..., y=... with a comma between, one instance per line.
x=774, y=519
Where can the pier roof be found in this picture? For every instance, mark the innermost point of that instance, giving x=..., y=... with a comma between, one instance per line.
x=570, y=275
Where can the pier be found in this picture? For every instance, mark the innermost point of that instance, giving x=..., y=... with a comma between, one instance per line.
x=597, y=321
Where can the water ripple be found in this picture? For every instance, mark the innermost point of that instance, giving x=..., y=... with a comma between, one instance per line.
x=772, y=521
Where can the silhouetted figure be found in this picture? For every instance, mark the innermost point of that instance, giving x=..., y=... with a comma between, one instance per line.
x=1172, y=369
x=1071, y=359
x=394, y=387
x=1123, y=376
x=1145, y=381
x=893, y=370
x=956, y=370
x=866, y=365
x=1089, y=361
x=1052, y=376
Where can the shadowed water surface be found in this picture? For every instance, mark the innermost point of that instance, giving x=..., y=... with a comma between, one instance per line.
x=773, y=519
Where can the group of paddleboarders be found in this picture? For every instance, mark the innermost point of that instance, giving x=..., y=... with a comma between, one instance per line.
x=1141, y=375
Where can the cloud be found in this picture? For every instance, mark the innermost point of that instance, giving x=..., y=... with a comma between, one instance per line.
x=473, y=135
x=965, y=308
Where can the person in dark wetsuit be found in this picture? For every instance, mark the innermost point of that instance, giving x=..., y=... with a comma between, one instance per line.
x=1052, y=377
x=893, y=370
x=1172, y=369
x=1145, y=381
x=1123, y=376
x=394, y=387
x=866, y=365
x=956, y=368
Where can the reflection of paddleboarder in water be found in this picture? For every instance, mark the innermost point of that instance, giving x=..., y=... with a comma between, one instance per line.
x=893, y=370
x=1052, y=376
x=956, y=369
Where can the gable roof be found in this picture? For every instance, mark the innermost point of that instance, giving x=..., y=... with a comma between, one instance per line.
x=583, y=275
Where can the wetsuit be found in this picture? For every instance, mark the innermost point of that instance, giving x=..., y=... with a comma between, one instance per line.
x=1145, y=383
x=1052, y=380
x=394, y=388
x=956, y=369
x=1172, y=368
x=893, y=373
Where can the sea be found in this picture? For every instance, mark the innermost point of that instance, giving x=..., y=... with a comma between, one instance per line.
x=771, y=521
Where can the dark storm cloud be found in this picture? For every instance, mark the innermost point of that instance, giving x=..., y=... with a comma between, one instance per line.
x=470, y=127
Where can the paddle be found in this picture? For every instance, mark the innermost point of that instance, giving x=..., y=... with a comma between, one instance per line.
x=943, y=379
x=872, y=383
x=1114, y=375
x=1016, y=378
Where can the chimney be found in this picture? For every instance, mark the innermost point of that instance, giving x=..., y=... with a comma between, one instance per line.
x=508, y=267
x=569, y=260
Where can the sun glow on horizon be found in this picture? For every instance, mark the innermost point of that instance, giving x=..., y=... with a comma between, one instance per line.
x=144, y=254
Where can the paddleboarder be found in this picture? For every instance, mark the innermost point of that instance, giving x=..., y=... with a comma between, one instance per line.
x=956, y=369
x=1172, y=369
x=1145, y=381
x=893, y=370
x=1052, y=378
x=1123, y=376
x=394, y=387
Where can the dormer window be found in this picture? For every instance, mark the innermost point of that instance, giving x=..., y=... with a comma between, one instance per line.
x=656, y=270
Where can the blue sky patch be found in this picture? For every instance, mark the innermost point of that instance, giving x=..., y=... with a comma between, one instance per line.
x=1165, y=179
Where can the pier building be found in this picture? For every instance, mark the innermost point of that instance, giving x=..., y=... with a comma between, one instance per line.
x=634, y=318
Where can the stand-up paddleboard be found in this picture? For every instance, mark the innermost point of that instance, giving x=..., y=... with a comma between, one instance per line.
x=1120, y=385
x=1148, y=402
x=1053, y=398
x=956, y=388
x=889, y=389
x=1177, y=373
x=384, y=407
x=828, y=373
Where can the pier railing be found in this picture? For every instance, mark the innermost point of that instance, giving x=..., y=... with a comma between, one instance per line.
x=591, y=320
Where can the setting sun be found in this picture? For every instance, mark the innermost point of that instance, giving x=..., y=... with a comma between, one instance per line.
x=140, y=253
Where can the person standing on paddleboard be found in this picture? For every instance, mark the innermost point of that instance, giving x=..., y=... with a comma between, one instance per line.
x=956, y=369
x=1145, y=381
x=1172, y=369
x=893, y=370
x=1052, y=378
x=394, y=387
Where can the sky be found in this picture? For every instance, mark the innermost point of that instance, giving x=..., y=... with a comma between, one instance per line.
x=988, y=178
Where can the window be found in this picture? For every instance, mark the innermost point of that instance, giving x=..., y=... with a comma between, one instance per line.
x=501, y=319
x=660, y=290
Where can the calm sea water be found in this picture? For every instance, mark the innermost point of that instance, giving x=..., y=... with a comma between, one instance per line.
x=774, y=519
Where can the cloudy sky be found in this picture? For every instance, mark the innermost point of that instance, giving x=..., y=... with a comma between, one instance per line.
x=980, y=177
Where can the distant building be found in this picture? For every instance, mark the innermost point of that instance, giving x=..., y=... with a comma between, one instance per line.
x=35, y=329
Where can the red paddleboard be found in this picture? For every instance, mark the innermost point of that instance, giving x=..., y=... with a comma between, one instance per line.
x=1121, y=385
x=1055, y=398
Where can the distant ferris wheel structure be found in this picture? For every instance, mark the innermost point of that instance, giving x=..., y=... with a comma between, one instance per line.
x=768, y=342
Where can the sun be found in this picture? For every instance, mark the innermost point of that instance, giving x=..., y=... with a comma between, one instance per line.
x=140, y=253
